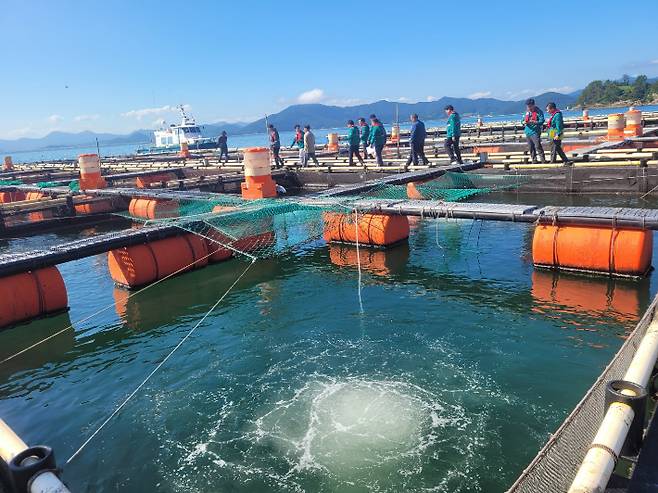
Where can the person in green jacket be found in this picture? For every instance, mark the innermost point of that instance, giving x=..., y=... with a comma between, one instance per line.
x=453, y=132
x=534, y=123
x=353, y=139
x=555, y=126
x=377, y=139
x=365, y=134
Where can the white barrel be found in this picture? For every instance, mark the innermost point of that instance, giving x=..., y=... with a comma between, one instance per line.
x=90, y=164
x=333, y=139
x=257, y=161
x=633, y=118
x=395, y=132
x=585, y=114
x=9, y=165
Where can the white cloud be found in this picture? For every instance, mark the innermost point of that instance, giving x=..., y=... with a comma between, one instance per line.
x=312, y=96
x=55, y=118
x=480, y=94
x=345, y=101
x=85, y=118
x=149, y=112
x=403, y=99
x=19, y=132
x=429, y=99
x=654, y=62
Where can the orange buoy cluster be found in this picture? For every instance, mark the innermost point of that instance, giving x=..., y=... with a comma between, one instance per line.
x=7, y=197
x=90, y=172
x=31, y=294
x=373, y=229
x=612, y=251
x=148, y=180
x=258, y=182
x=138, y=265
x=616, y=125
x=633, y=126
x=153, y=209
x=98, y=207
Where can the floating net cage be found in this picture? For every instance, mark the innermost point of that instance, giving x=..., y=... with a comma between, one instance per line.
x=269, y=227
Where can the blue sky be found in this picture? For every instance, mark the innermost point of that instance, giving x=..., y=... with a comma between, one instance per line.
x=117, y=66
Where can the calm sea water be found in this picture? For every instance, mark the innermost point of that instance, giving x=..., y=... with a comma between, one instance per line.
x=462, y=362
x=262, y=140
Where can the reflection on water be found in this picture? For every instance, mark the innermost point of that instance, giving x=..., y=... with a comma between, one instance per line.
x=377, y=261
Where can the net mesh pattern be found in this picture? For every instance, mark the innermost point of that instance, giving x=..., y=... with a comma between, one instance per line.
x=557, y=463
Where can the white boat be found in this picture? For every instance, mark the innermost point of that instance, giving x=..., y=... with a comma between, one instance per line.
x=169, y=139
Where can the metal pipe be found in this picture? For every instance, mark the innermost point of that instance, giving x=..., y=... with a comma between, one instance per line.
x=600, y=460
x=11, y=445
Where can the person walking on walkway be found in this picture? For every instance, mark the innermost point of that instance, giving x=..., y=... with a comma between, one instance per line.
x=534, y=123
x=374, y=117
x=365, y=134
x=309, y=146
x=377, y=139
x=222, y=144
x=417, y=141
x=555, y=126
x=298, y=142
x=275, y=146
x=453, y=133
x=353, y=139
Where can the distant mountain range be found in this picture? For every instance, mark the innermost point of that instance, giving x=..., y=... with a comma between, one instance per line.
x=317, y=115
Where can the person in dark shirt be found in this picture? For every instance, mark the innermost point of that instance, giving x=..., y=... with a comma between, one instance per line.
x=417, y=141
x=222, y=144
x=365, y=135
x=275, y=146
x=353, y=138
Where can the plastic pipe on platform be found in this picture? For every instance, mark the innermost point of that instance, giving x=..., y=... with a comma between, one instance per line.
x=11, y=445
x=600, y=460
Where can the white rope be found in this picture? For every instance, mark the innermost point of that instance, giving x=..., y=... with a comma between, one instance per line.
x=154, y=371
x=358, y=256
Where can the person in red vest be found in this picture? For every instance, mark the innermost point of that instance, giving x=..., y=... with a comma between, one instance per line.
x=533, y=122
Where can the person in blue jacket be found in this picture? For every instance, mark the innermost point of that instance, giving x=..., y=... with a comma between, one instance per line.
x=417, y=141
x=533, y=122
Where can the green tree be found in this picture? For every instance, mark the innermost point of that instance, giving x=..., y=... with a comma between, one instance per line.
x=640, y=88
x=625, y=79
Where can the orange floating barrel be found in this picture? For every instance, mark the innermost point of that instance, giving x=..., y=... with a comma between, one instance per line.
x=258, y=182
x=395, y=134
x=593, y=249
x=184, y=150
x=31, y=294
x=148, y=180
x=143, y=264
x=616, y=125
x=90, y=172
x=332, y=142
x=373, y=229
x=585, y=114
x=633, y=126
x=99, y=207
x=34, y=196
x=7, y=197
x=153, y=209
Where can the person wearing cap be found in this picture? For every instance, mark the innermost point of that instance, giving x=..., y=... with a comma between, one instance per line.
x=417, y=141
x=353, y=139
x=555, y=126
x=453, y=133
x=275, y=145
x=298, y=142
x=365, y=134
x=534, y=123
x=309, y=146
x=374, y=117
x=222, y=144
x=377, y=139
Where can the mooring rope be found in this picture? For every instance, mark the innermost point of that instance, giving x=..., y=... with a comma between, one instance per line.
x=160, y=365
x=111, y=305
x=358, y=256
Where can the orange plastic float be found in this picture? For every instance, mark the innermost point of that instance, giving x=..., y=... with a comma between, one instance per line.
x=7, y=197
x=603, y=250
x=100, y=207
x=90, y=172
x=332, y=142
x=31, y=294
x=148, y=180
x=258, y=182
x=143, y=264
x=153, y=209
x=34, y=195
x=184, y=150
x=373, y=229
x=616, y=124
x=8, y=164
x=633, y=126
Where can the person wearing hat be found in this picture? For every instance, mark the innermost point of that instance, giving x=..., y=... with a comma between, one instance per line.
x=275, y=145
x=353, y=138
x=309, y=146
x=365, y=134
x=555, y=126
x=374, y=117
x=533, y=122
x=377, y=139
